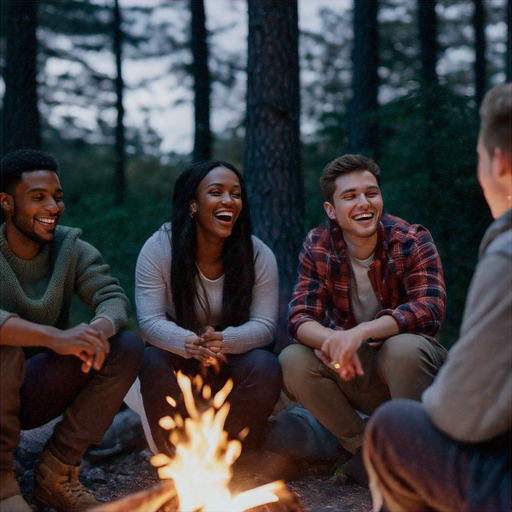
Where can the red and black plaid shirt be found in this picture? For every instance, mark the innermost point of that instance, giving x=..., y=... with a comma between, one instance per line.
x=406, y=275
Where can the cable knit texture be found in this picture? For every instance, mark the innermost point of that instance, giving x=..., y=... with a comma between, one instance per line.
x=40, y=290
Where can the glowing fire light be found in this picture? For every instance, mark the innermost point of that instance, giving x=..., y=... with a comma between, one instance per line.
x=201, y=466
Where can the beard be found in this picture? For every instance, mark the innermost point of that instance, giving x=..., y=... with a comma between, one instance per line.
x=31, y=235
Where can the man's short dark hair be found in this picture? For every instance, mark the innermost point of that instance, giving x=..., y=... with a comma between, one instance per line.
x=343, y=165
x=24, y=160
x=496, y=116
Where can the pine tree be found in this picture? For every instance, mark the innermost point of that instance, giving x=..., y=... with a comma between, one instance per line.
x=21, y=123
x=272, y=153
x=365, y=79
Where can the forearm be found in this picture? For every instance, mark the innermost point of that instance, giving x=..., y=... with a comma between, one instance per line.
x=379, y=329
x=313, y=334
x=249, y=336
x=18, y=332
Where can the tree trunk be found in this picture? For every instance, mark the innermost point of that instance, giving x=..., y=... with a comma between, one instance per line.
x=480, y=46
x=21, y=126
x=365, y=79
x=508, y=59
x=120, y=182
x=202, y=83
x=272, y=153
x=427, y=25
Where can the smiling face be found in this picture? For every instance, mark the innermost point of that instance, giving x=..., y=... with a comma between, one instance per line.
x=218, y=204
x=33, y=210
x=357, y=206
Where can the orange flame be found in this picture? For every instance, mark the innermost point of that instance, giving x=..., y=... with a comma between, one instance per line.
x=201, y=466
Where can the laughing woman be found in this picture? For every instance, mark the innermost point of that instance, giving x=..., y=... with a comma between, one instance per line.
x=206, y=295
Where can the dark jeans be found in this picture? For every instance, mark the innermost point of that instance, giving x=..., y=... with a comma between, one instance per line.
x=37, y=390
x=420, y=468
x=257, y=383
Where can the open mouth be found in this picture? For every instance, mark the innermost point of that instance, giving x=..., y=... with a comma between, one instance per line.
x=49, y=222
x=226, y=217
x=363, y=216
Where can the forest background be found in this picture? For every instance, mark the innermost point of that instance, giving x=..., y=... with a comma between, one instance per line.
x=126, y=94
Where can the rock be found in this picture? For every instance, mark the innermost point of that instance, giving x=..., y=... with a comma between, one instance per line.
x=97, y=475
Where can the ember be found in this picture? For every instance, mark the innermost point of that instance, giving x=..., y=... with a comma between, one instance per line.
x=196, y=478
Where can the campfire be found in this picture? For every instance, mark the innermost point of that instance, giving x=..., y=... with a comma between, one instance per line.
x=196, y=478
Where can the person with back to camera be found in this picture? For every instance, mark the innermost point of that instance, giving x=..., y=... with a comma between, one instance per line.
x=206, y=296
x=47, y=367
x=369, y=299
x=452, y=452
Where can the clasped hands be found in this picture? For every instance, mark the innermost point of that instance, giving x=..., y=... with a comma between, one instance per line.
x=85, y=341
x=339, y=351
x=206, y=346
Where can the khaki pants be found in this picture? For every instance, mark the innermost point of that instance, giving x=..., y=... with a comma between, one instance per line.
x=402, y=367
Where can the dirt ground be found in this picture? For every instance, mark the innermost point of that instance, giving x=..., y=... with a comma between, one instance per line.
x=121, y=466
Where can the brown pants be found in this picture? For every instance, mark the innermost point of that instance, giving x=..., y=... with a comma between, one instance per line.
x=401, y=368
x=37, y=390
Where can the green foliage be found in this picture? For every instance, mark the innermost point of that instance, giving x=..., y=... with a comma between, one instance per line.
x=428, y=163
x=118, y=232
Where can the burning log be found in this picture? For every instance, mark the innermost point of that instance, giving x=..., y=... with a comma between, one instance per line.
x=198, y=474
x=160, y=497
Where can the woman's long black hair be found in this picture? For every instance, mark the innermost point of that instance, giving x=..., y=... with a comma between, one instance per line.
x=237, y=253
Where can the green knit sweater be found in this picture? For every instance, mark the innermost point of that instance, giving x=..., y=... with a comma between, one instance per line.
x=41, y=289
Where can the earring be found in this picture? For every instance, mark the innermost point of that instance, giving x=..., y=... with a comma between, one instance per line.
x=193, y=211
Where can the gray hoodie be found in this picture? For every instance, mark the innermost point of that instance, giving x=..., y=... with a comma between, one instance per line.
x=470, y=400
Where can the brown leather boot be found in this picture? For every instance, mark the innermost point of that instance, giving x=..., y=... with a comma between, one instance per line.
x=57, y=485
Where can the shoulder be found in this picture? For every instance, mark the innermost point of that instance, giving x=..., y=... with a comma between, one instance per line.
x=323, y=240
x=68, y=241
x=66, y=234
x=498, y=237
x=155, y=255
x=501, y=245
x=159, y=243
x=319, y=236
x=264, y=258
x=400, y=232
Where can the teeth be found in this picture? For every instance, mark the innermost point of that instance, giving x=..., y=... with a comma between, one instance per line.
x=49, y=222
x=363, y=216
x=223, y=215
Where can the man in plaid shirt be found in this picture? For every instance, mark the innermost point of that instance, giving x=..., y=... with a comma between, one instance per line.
x=369, y=300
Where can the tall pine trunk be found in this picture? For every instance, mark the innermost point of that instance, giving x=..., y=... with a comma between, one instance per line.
x=480, y=47
x=508, y=58
x=202, y=83
x=120, y=148
x=272, y=164
x=429, y=49
x=21, y=123
x=365, y=80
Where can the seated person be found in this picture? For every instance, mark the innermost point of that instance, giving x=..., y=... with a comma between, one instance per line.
x=452, y=452
x=369, y=300
x=206, y=296
x=47, y=367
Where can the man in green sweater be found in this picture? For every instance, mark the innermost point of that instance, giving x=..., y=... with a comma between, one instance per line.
x=49, y=368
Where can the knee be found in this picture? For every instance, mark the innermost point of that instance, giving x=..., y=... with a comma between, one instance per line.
x=394, y=421
x=297, y=362
x=404, y=350
x=12, y=361
x=263, y=369
x=127, y=348
x=155, y=362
